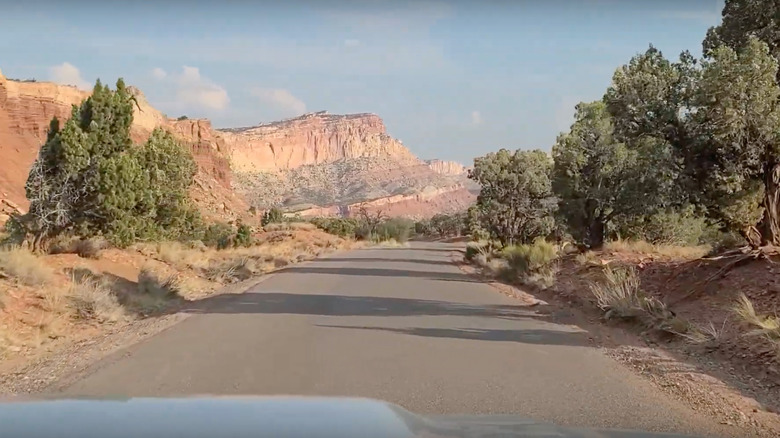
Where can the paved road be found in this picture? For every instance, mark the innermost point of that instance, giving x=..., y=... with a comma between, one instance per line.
x=402, y=325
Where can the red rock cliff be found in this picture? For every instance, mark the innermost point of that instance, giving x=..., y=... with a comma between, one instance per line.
x=446, y=167
x=314, y=138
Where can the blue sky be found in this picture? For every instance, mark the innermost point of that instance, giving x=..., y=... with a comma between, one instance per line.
x=451, y=79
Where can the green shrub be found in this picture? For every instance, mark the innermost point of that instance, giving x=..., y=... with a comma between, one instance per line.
x=218, y=235
x=533, y=263
x=244, y=235
x=685, y=228
x=13, y=231
x=344, y=227
x=397, y=229
x=475, y=248
x=526, y=259
x=272, y=216
x=720, y=241
x=363, y=232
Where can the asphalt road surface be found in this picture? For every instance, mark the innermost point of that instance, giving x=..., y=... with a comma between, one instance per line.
x=402, y=325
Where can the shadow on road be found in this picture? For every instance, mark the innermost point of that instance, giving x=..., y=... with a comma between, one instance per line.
x=381, y=272
x=545, y=337
x=423, y=248
x=344, y=305
x=383, y=260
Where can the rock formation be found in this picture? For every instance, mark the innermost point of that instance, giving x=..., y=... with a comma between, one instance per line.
x=315, y=162
x=313, y=138
x=447, y=167
x=326, y=163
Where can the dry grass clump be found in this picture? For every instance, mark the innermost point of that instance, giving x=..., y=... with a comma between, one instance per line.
x=90, y=248
x=533, y=263
x=475, y=249
x=588, y=258
x=233, y=270
x=288, y=226
x=705, y=334
x=154, y=293
x=620, y=296
x=762, y=325
x=670, y=251
x=24, y=266
x=391, y=243
x=177, y=254
x=93, y=300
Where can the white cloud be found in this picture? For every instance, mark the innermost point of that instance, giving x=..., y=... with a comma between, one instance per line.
x=280, y=98
x=476, y=118
x=159, y=73
x=196, y=91
x=392, y=38
x=67, y=74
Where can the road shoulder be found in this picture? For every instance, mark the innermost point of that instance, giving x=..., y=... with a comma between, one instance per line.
x=701, y=385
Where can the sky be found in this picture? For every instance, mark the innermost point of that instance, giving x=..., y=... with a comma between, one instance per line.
x=451, y=79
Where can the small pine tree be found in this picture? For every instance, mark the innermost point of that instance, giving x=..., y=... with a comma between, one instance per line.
x=90, y=179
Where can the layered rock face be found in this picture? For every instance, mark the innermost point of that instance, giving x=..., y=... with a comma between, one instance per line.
x=316, y=162
x=26, y=109
x=329, y=163
x=447, y=167
x=314, y=138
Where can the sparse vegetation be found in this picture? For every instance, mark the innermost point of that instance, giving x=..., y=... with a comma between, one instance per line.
x=344, y=227
x=90, y=248
x=22, y=265
x=396, y=229
x=761, y=325
x=644, y=247
x=705, y=334
x=272, y=216
x=533, y=263
x=286, y=226
x=587, y=258
x=219, y=235
x=155, y=291
x=474, y=249
x=93, y=300
x=619, y=294
x=244, y=235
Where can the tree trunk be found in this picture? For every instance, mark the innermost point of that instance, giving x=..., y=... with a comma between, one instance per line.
x=596, y=233
x=770, y=233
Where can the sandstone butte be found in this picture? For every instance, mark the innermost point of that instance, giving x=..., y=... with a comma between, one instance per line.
x=26, y=109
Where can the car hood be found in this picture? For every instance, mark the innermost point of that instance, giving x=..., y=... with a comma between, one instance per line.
x=277, y=417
